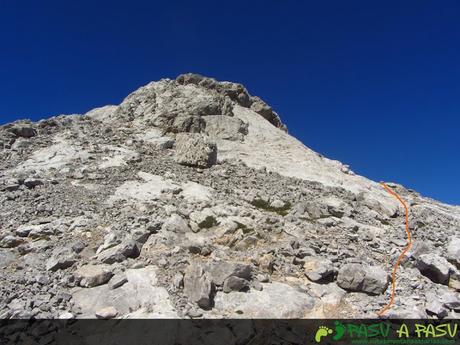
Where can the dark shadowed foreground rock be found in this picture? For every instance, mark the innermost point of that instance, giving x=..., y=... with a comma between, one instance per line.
x=196, y=150
x=362, y=278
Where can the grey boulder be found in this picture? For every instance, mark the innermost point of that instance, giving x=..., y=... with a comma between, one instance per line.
x=434, y=267
x=119, y=253
x=10, y=241
x=319, y=270
x=198, y=285
x=92, y=275
x=196, y=150
x=372, y=280
x=221, y=270
x=233, y=283
x=61, y=259
x=23, y=131
x=106, y=313
x=435, y=307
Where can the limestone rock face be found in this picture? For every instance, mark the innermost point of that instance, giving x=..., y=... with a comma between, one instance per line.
x=189, y=199
x=225, y=127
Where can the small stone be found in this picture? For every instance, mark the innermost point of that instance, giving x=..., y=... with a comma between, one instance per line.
x=119, y=253
x=206, y=250
x=204, y=219
x=263, y=278
x=178, y=280
x=12, y=187
x=141, y=264
x=78, y=246
x=319, y=270
x=277, y=204
x=233, y=283
x=24, y=249
x=303, y=252
x=194, y=313
x=117, y=280
x=11, y=242
x=266, y=262
x=61, y=259
x=450, y=300
x=63, y=296
x=221, y=270
x=162, y=262
x=106, y=313
x=40, y=231
x=454, y=281
x=66, y=316
x=194, y=248
x=175, y=223
x=434, y=307
x=42, y=279
x=165, y=143
x=140, y=235
x=92, y=275
x=256, y=285
x=33, y=182
x=23, y=231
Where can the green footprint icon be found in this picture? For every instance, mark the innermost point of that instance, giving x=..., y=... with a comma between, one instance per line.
x=322, y=332
x=339, y=330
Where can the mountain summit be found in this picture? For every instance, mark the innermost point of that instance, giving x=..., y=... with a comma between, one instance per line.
x=190, y=199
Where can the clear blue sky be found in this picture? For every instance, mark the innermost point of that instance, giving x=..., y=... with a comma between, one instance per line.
x=375, y=84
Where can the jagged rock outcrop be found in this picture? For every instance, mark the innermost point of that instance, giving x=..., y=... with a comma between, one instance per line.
x=191, y=200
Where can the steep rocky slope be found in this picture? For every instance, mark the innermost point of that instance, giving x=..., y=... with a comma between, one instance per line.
x=190, y=199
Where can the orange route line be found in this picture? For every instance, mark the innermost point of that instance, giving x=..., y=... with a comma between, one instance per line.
x=403, y=253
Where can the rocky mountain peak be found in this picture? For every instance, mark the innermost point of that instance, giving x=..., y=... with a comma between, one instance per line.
x=183, y=104
x=190, y=199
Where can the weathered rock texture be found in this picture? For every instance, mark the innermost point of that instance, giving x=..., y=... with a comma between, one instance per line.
x=189, y=199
